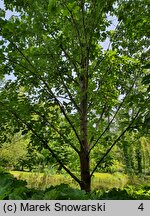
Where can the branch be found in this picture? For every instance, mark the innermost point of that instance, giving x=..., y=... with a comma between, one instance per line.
x=76, y=26
x=45, y=143
x=94, y=26
x=29, y=62
x=46, y=146
x=83, y=20
x=114, y=143
x=101, y=60
x=55, y=129
x=68, y=57
x=97, y=124
x=69, y=94
x=17, y=63
x=66, y=54
x=118, y=109
x=50, y=92
x=67, y=118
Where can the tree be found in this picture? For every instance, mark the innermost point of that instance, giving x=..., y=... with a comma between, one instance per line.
x=12, y=153
x=53, y=49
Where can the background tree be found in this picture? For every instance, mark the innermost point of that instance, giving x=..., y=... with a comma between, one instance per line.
x=12, y=153
x=53, y=49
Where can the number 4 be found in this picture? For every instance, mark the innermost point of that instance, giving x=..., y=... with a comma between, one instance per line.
x=141, y=207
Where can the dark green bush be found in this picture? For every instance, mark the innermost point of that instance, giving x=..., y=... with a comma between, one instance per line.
x=11, y=188
x=128, y=193
x=64, y=192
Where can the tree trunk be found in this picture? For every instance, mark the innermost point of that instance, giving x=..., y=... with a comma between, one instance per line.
x=84, y=148
x=85, y=171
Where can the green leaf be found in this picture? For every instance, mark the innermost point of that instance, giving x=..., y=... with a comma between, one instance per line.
x=146, y=79
x=25, y=132
x=2, y=13
x=52, y=6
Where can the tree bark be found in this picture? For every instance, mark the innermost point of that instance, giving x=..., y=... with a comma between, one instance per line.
x=85, y=171
x=84, y=148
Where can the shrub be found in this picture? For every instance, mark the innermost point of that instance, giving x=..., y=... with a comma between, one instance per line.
x=13, y=189
x=128, y=193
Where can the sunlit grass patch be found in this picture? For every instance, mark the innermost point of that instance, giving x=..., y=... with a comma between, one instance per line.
x=99, y=180
x=107, y=180
x=42, y=180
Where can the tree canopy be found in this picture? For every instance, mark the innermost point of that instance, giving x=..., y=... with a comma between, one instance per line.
x=66, y=86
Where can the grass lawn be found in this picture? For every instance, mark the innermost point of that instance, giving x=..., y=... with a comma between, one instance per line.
x=99, y=180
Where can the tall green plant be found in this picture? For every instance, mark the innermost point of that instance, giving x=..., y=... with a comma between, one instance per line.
x=64, y=81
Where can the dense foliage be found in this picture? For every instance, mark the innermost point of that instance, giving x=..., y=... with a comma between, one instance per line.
x=75, y=98
x=130, y=156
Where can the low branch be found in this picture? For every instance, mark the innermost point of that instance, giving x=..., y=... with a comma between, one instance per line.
x=118, y=109
x=55, y=129
x=107, y=152
x=45, y=143
x=97, y=124
x=50, y=92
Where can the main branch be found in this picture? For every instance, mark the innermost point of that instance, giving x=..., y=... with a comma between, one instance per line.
x=121, y=135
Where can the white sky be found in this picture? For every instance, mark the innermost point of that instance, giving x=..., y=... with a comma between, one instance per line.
x=1, y=4
x=8, y=12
